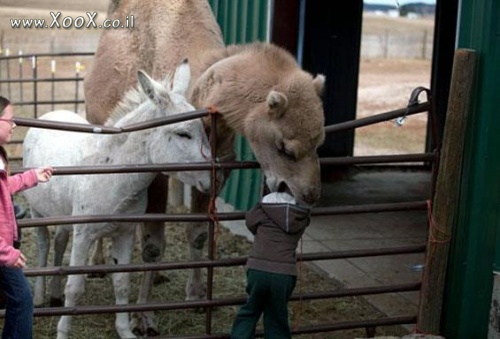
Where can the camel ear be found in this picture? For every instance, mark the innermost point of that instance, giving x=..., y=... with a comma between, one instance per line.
x=277, y=103
x=319, y=84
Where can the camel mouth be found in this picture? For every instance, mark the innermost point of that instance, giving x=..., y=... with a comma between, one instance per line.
x=303, y=201
x=283, y=188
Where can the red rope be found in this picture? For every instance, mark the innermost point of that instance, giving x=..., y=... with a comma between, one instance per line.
x=434, y=229
x=212, y=208
x=212, y=110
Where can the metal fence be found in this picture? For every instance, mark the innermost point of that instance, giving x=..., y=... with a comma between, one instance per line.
x=388, y=45
x=210, y=263
x=42, y=82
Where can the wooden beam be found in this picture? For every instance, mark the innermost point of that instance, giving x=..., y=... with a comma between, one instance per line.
x=445, y=201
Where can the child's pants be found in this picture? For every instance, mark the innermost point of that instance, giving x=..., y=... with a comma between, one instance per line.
x=268, y=293
x=19, y=304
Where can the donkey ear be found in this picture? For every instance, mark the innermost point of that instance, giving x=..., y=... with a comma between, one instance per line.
x=182, y=77
x=319, y=84
x=152, y=88
x=146, y=84
x=277, y=103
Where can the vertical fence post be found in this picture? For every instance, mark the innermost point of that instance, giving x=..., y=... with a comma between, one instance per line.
x=212, y=222
x=1, y=53
x=52, y=43
x=445, y=199
x=424, y=44
x=1, y=63
x=9, y=87
x=20, y=53
x=53, y=73
x=77, y=75
x=34, y=62
x=386, y=44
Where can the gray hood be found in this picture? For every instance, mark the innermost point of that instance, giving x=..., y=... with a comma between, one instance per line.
x=291, y=218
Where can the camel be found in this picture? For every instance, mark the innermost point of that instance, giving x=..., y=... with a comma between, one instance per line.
x=258, y=89
x=110, y=193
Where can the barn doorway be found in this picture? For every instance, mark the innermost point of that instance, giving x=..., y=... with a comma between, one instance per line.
x=395, y=57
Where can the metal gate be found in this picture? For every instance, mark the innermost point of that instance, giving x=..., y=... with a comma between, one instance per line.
x=19, y=81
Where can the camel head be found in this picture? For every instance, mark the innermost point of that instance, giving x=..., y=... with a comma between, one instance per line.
x=263, y=94
x=284, y=133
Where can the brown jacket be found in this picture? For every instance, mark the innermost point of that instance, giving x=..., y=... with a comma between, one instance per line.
x=277, y=228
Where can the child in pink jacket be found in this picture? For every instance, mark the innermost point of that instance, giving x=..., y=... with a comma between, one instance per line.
x=13, y=284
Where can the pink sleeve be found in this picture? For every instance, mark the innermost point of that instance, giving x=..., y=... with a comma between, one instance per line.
x=22, y=181
x=8, y=254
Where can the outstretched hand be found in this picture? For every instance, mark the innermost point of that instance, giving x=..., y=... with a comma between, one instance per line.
x=44, y=173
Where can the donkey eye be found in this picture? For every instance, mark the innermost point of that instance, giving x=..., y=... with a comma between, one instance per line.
x=183, y=134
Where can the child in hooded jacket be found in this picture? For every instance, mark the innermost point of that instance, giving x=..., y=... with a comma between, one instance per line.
x=18, y=321
x=277, y=224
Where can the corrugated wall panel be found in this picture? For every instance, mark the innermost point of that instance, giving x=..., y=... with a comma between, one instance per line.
x=476, y=235
x=242, y=21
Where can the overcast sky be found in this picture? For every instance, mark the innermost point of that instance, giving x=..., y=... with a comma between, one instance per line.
x=394, y=2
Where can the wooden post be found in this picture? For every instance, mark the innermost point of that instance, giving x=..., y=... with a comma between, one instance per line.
x=445, y=200
x=424, y=44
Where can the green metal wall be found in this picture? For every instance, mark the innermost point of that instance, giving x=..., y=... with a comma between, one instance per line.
x=475, y=249
x=242, y=21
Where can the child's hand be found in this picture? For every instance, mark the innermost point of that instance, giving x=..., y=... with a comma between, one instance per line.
x=44, y=173
x=21, y=262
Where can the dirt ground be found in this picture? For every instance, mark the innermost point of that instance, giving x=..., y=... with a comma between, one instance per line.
x=385, y=85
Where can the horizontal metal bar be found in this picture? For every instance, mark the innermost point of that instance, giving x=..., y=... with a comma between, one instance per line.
x=35, y=80
x=51, y=102
x=169, y=306
x=171, y=167
x=343, y=126
x=49, y=55
x=340, y=326
x=317, y=328
x=136, y=218
x=159, y=217
x=101, y=129
x=375, y=252
x=371, y=208
x=377, y=159
x=348, y=325
x=202, y=166
x=228, y=262
x=349, y=292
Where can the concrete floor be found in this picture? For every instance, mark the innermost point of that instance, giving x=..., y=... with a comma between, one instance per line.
x=370, y=230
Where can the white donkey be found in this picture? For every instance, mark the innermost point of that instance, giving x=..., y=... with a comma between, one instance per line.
x=111, y=193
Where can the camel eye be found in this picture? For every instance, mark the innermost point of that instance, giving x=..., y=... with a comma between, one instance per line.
x=286, y=152
x=289, y=154
x=184, y=134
